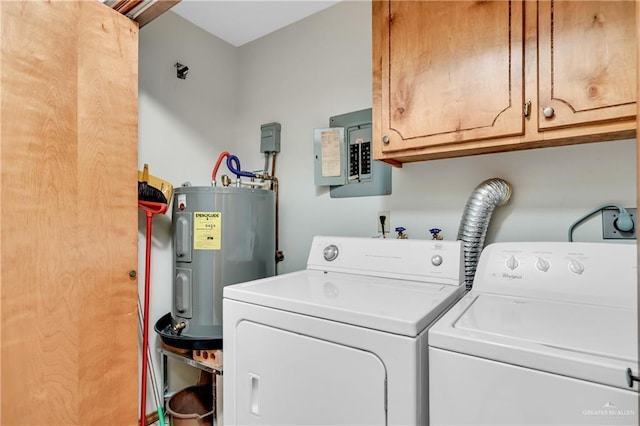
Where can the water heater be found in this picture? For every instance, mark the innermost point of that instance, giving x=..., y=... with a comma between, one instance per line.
x=221, y=236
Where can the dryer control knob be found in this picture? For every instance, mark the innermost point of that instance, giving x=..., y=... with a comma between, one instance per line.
x=512, y=263
x=576, y=267
x=542, y=265
x=330, y=253
x=436, y=260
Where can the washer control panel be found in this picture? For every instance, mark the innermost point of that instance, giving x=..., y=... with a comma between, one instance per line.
x=579, y=272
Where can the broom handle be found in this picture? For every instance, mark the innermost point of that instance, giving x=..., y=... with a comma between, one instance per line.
x=145, y=327
x=152, y=373
x=145, y=173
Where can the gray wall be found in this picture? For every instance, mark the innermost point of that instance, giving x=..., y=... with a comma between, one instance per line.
x=300, y=76
x=321, y=66
x=183, y=125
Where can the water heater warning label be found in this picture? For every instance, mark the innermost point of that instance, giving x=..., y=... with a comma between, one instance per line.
x=206, y=230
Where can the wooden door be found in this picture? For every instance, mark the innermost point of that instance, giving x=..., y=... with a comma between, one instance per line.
x=68, y=214
x=451, y=72
x=637, y=139
x=587, y=62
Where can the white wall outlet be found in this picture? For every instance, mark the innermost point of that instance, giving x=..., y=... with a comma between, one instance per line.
x=387, y=221
x=609, y=225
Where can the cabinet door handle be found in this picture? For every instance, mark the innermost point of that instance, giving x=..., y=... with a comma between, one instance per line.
x=548, y=112
x=527, y=108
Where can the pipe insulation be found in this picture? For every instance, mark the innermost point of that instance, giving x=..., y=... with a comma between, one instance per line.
x=483, y=200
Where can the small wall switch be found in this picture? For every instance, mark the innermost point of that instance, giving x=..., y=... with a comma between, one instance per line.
x=609, y=230
x=387, y=221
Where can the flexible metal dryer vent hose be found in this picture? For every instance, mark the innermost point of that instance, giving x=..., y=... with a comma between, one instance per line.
x=475, y=220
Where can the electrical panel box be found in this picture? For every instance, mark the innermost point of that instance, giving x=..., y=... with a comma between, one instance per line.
x=344, y=158
x=270, y=137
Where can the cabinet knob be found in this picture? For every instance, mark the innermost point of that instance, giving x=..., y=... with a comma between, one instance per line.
x=548, y=112
x=133, y=274
x=385, y=139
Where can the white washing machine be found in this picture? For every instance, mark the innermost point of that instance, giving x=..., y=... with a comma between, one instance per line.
x=546, y=336
x=343, y=342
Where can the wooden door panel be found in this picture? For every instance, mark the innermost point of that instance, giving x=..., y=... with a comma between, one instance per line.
x=108, y=222
x=587, y=62
x=451, y=71
x=37, y=185
x=68, y=144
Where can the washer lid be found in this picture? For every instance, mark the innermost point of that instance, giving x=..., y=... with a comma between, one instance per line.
x=589, y=342
x=385, y=304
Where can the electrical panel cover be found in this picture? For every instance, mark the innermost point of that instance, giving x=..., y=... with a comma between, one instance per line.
x=350, y=152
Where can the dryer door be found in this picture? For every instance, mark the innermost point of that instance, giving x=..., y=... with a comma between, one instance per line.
x=285, y=378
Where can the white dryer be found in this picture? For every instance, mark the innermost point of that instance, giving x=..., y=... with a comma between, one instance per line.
x=547, y=336
x=343, y=342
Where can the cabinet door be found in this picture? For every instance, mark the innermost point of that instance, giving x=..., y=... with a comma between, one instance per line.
x=69, y=219
x=450, y=72
x=587, y=62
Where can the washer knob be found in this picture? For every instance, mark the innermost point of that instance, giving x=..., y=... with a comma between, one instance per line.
x=542, y=265
x=512, y=263
x=330, y=253
x=576, y=267
x=436, y=260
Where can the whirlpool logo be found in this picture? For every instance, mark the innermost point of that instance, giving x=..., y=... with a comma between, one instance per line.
x=508, y=276
x=609, y=409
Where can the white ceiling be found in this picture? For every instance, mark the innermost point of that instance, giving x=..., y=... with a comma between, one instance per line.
x=241, y=21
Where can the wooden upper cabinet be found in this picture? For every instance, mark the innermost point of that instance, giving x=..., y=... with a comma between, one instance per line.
x=454, y=72
x=454, y=78
x=587, y=62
